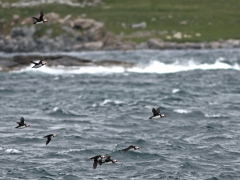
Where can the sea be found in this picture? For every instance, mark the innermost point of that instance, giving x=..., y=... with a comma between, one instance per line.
x=102, y=110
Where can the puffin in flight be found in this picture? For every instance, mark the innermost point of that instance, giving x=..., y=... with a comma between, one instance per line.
x=108, y=160
x=97, y=160
x=21, y=124
x=39, y=64
x=49, y=137
x=131, y=148
x=157, y=114
x=39, y=20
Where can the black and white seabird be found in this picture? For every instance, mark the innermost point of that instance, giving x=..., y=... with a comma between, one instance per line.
x=39, y=20
x=21, y=124
x=108, y=160
x=40, y=63
x=131, y=148
x=97, y=160
x=157, y=114
x=49, y=137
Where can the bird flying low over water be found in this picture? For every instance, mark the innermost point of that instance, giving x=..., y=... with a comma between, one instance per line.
x=40, y=63
x=157, y=114
x=39, y=20
x=131, y=148
x=49, y=137
x=108, y=160
x=97, y=160
x=21, y=124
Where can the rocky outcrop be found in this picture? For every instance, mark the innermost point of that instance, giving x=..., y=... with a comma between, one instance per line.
x=18, y=61
x=78, y=34
x=89, y=35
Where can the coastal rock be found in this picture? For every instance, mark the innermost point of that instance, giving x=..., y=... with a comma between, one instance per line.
x=93, y=45
x=156, y=44
x=97, y=32
x=28, y=20
x=20, y=61
x=139, y=25
x=83, y=23
x=52, y=17
x=23, y=31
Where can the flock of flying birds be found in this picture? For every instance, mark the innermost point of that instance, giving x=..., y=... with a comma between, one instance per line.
x=99, y=159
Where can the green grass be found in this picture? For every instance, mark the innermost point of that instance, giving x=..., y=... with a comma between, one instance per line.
x=213, y=19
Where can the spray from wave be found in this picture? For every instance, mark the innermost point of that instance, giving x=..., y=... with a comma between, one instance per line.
x=153, y=67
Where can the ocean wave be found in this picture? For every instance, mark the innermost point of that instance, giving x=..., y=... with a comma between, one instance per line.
x=214, y=115
x=152, y=67
x=108, y=101
x=12, y=151
x=175, y=91
x=182, y=111
x=70, y=150
x=61, y=112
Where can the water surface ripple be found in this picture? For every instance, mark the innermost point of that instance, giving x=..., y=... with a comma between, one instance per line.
x=97, y=110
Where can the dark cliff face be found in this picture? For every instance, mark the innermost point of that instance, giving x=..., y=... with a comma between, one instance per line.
x=18, y=61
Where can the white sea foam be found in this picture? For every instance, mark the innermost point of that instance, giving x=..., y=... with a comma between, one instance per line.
x=153, y=67
x=175, y=91
x=55, y=109
x=70, y=150
x=106, y=101
x=14, y=151
x=182, y=111
x=212, y=115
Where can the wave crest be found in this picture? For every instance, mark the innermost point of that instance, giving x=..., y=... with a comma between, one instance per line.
x=153, y=67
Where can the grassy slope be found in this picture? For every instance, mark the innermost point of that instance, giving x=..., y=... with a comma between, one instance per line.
x=213, y=19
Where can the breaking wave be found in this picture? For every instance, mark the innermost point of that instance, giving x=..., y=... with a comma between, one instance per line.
x=153, y=67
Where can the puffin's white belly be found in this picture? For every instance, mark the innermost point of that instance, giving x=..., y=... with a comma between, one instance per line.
x=39, y=22
x=156, y=117
x=21, y=127
x=37, y=66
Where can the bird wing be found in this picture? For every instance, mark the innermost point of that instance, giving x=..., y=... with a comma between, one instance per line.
x=49, y=139
x=33, y=62
x=35, y=18
x=41, y=16
x=95, y=163
x=22, y=120
x=108, y=158
x=95, y=157
x=153, y=111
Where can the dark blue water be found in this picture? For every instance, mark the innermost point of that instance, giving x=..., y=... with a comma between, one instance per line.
x=102, y=110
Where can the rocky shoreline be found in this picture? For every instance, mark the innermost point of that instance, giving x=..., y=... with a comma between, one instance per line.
x=83, y=34
x=19, y=61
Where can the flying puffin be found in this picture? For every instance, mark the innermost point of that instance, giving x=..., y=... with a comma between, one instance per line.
x=39, y=64
x=39, y=20
x=21, y=124
x=156, y=114
x=49, y=137
x=97, y=160
x=131, y=148
x=108, y=160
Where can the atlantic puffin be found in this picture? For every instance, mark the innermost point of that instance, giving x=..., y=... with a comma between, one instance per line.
x=21, y=124
x=97, y=160
x=49, y=137
x=157, y=114
x=108, y=160
x=131, y=148
x=40, y=63
x=39, y=20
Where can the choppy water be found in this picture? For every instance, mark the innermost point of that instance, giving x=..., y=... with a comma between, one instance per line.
x=97, y=110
